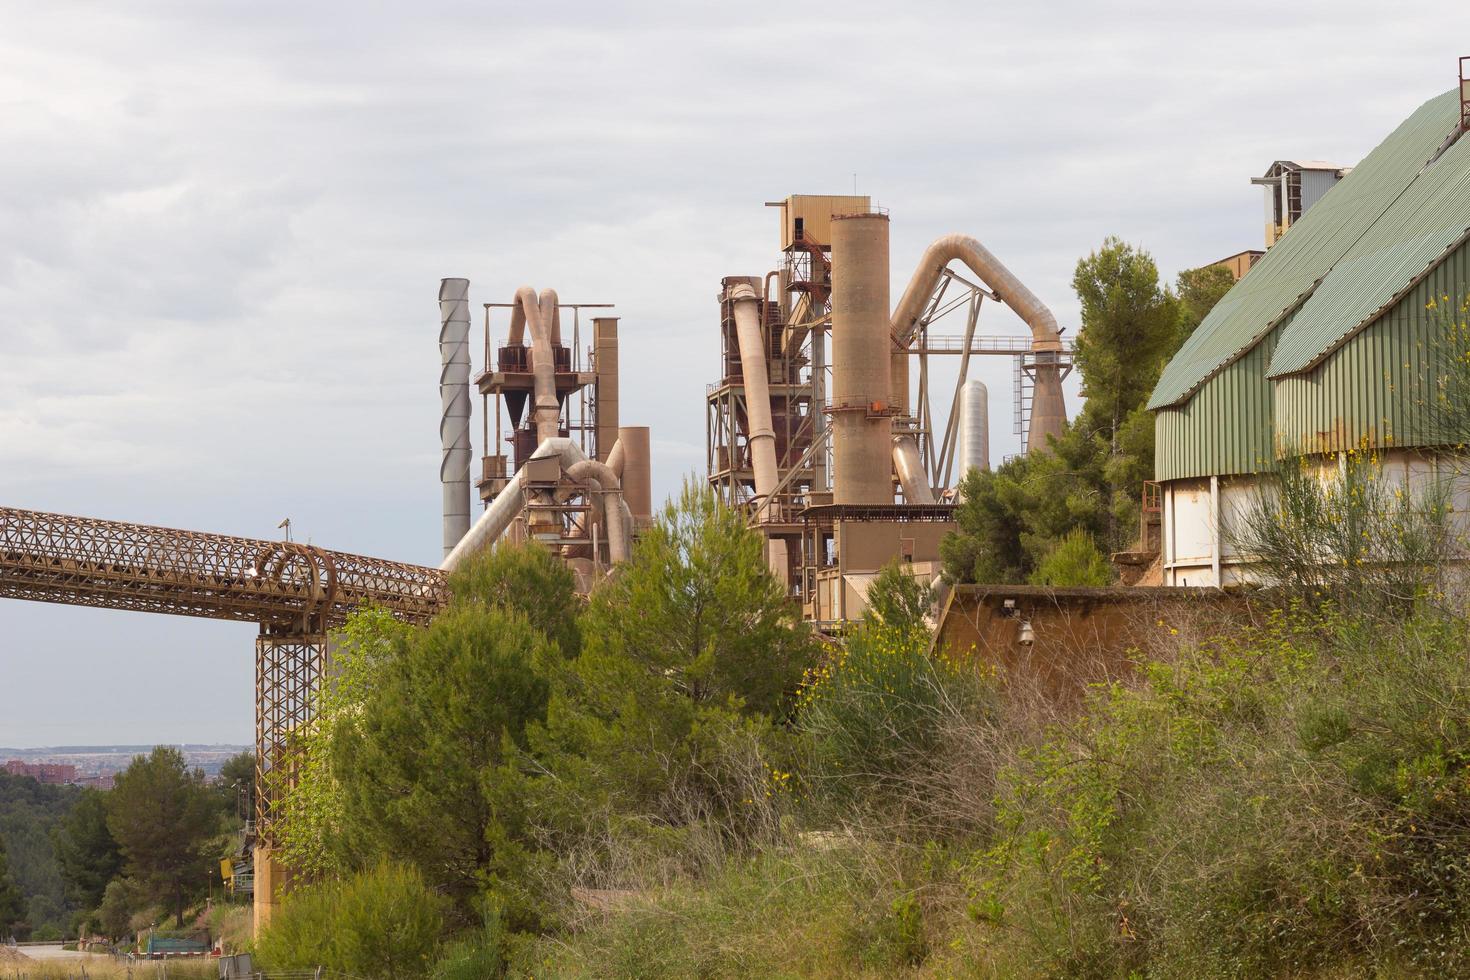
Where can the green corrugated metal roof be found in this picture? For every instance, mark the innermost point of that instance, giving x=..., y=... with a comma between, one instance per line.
x=1422, y=225
x=1289, y=272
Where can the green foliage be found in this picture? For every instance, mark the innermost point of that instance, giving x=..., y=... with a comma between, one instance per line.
x=310, y=825
x=115, y=912
x=1198, y=290
x=482, y=955
x=1009, y=519
x=1091, y=480
x=661, y=730
x=898, y=600
x=697, y=606
x=89, y=856
x=162, y=815
x=876, y=714
x=383, y=923
x=1349, y=532
x=1129, y=327
x=528, y=579
x=426, y=770
x=1285, y=802
x=236, y=786
x=12, y=902
x=1075, y=561
x=840, y=912
x=30, y=813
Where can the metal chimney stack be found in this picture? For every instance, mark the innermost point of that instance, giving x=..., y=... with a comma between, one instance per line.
x=454, y=395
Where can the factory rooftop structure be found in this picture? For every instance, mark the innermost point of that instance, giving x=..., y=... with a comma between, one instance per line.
x=1327, y=344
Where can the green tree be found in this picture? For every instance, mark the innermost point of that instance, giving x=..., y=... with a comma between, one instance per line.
x=162, y=814
x=1075, y=561
x=696, y=604
x=89, y=855
x=529, y=579
x=120, y=900
x=12, y=902
x=898, y=600
x=1129, y=328
x=236, y=785
x=1198, y=290
x=663, y=722
x=426, y=772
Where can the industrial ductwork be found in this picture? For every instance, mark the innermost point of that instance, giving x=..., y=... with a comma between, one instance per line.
x=544, y=320
x=745, y=305
x=508, y=503
x=1048, y=410
x=906, y=462
x=454, y=418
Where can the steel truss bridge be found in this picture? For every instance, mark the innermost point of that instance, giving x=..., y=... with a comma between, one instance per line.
x=296, y=593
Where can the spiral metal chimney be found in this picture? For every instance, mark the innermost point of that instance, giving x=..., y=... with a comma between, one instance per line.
x=454, y=397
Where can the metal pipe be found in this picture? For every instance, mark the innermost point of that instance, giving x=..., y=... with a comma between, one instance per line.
x=1048, y=411
x=615, y=458
x=1009, y=289
x=916, y=489
x=508, y=503
x=756, y=376
x=454, y=398
x=636, y=472
x=861, y=349
x=529, y=311
x=604, y=480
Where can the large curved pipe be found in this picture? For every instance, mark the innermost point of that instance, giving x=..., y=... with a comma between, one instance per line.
x=540, y=314
x=603, y=479
x=507, y=504
x=916, y=489
x=1044, y=333
x=756, y=375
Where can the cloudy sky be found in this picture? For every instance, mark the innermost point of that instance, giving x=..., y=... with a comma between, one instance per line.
x=222, y=226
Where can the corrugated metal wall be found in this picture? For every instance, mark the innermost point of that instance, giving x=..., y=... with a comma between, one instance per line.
x=1315, y=183
x=1226, y=427
x=1381, y=388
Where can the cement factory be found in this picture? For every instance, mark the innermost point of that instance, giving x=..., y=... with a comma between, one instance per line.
x=827, y=428
x=820, y=420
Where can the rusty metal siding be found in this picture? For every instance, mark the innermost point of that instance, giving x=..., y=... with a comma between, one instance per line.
x=1381, y=388
x=1226, y=428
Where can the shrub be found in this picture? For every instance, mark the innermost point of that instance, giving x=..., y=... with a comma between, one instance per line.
x=383, y=923
x=1074, y=562
x=876, y=715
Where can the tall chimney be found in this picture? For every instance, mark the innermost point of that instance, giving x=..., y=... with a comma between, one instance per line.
x=862, y=349
x=454, y=397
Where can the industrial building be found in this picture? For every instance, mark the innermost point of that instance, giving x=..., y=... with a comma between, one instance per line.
x=821, y=422
x=573, y=478
x=1326, y=345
